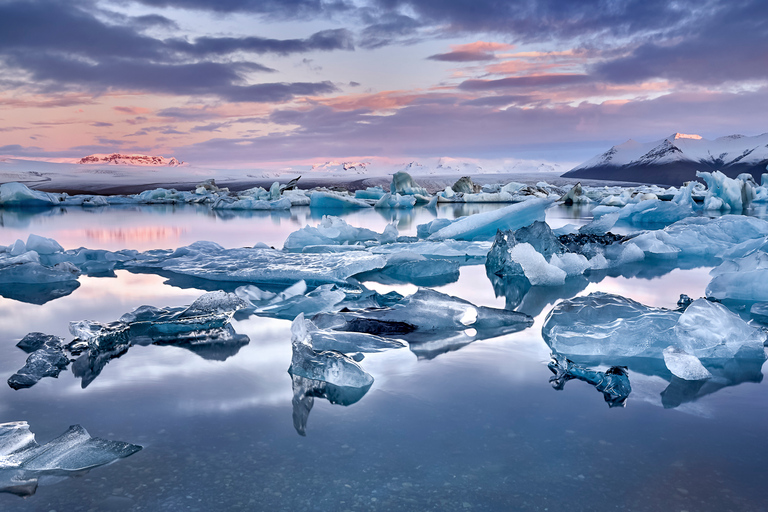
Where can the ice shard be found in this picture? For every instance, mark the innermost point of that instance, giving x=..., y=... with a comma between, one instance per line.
x=46, y=359
x=331, y=231
x=683, y=365
x=483, y=226
x=327, y=366
x=288, y=304
x=23, y=461
x=613, y=383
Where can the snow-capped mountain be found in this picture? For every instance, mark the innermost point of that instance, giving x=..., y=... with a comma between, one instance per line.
x=675, y=159
x=120, y=159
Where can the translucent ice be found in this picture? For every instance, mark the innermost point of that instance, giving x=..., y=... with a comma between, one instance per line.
x=375, y=193
x=327, y=366
x=395, y=201
x=208, y=260
x=347, y=342
x=683, y=365
x=331, y=200
x=287, y=305
x=744, y=273
x=724, y=193
x=605, y=325
x=46, y=359
x=403, y=184
x=306, y=390
x=23, y=461
x=483, y=226
x=18, y=194
x=330, y=231
x=613, y=383
x=759, y=312
x=426, y=311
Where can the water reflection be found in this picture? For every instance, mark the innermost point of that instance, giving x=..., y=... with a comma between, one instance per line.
x=306, y=390
x=37, y=293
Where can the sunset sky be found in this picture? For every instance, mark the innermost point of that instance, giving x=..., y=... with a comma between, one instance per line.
x=233, y=82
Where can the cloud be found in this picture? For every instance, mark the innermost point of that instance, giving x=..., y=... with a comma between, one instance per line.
x=100, y=124
x=477, y=51
x=60, y=47
x=290, y=9
x=524, y=82
x=427, y=130
x=325, y=40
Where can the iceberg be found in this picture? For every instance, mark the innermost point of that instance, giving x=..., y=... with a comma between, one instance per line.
x=347, y=342
x=203, y=327
x=432, y=322
x=483, y=226
x=327, y=366
x=251, y=203
x=46, y=359
x=334, y=200
x=395, y=201
x=23, y=461
x=208, y=260
x=374, y=193
x=743, y=274
x=613, y=383
x=724, y=193
x=330, y=231
x=759, y=312
x=288, y=304
x=611, y=326
x=19, y=195
x=403, y=184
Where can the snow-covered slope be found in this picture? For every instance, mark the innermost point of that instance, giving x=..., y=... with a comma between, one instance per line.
x=121, y=159
x=676, y=159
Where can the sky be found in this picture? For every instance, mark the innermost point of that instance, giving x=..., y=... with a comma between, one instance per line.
x=231, y=83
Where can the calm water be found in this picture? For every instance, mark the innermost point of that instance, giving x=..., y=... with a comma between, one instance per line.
x=479, y=428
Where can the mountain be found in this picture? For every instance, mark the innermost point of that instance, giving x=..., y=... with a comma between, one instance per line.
x=120, y=159
x=675, y=159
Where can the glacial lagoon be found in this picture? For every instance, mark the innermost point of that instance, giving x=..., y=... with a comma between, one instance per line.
x=466, y=423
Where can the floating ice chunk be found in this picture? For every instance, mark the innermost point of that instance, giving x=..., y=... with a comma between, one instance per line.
x=612, y=326
x=684, y=366
x=320, y=199
x=322, y=299
x=501, y=262
x=724, y=193
x=395, y=201
x=575, y=196
x=389, y=235
x=327, y=366
x=374, y=193
x=410, y=267
x=426, y=311
x=650, y=212
x=214, y=303
x=347, y=342
x=34, y=273
x=535, y=267
x=330, y=231
x=759, y=312
x=17, y=248
x=571, y=264
x=18, y=194
x=601, y=224
x=465, y=185
x=709, y=330
x=23, y=461
x=613, y=383
x=445, y=249
x=208, y=260
x=483, y=226
x=744, y=277
x=100, y=336
x=403, y=184
x=46, y=359
x=42, y=245
x=425, y=230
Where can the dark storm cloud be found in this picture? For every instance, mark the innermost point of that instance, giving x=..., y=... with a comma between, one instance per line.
x=326, y=40
x=61, y=47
